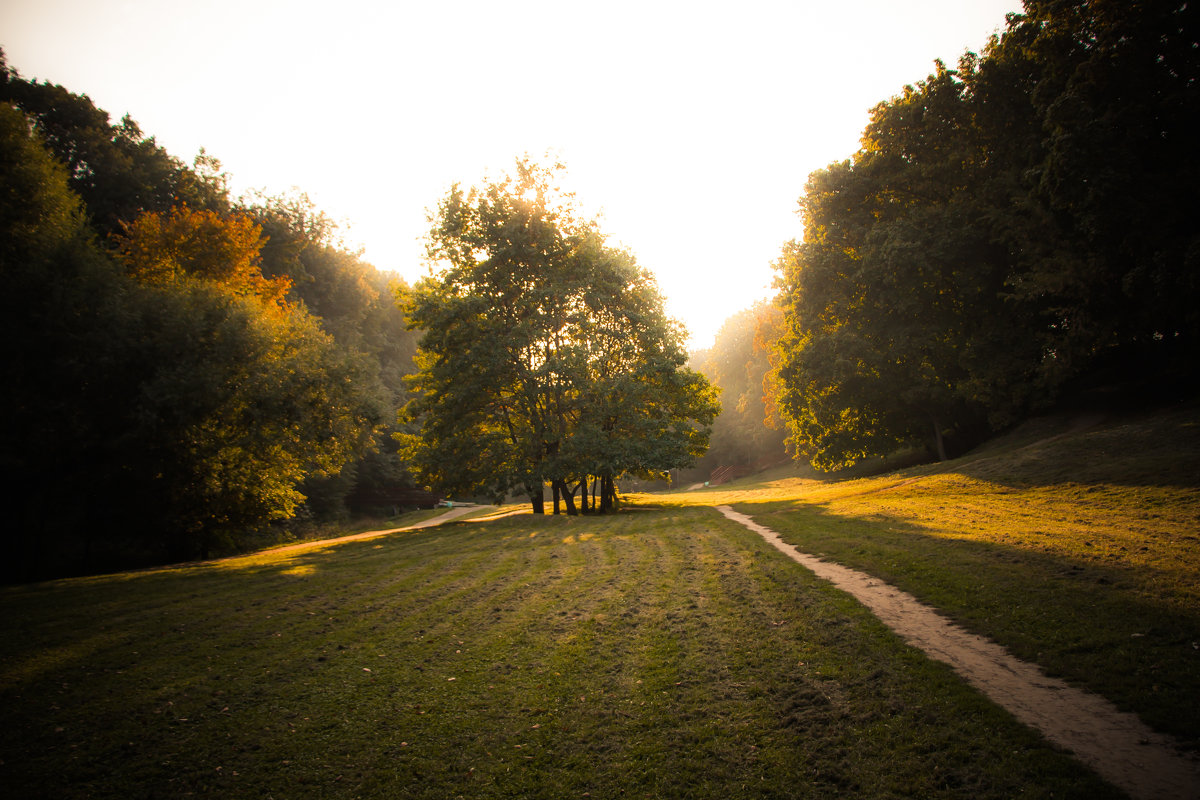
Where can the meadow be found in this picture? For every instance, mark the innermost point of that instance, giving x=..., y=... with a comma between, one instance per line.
x=661, y=652
x=1076, y=547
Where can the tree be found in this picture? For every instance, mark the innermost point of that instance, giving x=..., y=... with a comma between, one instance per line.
x=894, y=296
x=356, y=304
x=231, y=406
x=639, y=410
x=1005, y=228
x=1117, y=95
x=149, y=419
x=546, y=356
x=54, y=316
x=746, y=432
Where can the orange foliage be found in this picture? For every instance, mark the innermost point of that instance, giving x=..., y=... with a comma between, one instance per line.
x=224, y=250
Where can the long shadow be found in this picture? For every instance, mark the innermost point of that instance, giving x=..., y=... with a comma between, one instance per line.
x=1080, y=621
x=1160, y=450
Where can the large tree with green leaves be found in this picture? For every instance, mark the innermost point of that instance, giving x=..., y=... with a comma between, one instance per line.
x=895, y=294
x=356, y=304
x=546, y=354
x=1006, y=227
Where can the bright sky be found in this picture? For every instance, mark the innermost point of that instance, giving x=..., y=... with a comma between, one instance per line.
x=691, y=126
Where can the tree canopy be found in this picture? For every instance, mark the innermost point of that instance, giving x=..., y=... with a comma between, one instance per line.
x=169, y=388
x=1004, y=227
x=546, y=354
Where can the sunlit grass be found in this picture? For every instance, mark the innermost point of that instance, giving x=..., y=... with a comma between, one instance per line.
x=1078, y=549
x=661, y=654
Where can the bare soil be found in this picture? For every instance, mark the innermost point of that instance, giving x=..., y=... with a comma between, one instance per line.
x=1117, y=745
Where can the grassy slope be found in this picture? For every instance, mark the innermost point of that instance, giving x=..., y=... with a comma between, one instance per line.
x=1077, y=549
x=662, y=653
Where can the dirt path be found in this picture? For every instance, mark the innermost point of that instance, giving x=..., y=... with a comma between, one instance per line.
x=1117, y=745
x=453, y=513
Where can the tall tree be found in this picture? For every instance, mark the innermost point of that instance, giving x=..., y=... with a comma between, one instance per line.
x=546, y=355
x=893, y=297
x=54, y=314
x=356, y=304
x=1004, y=228
x=1118, y=98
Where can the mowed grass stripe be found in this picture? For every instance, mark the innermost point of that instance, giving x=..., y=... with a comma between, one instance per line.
x=662, y=653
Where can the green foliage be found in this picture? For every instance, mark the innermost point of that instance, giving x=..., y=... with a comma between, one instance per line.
x=356, y=305
x=1004, y=227
x=1119, y=101
x=116, y=170
x=546, y=354
x=159, y=417
x=895, y=295
x=221, y=435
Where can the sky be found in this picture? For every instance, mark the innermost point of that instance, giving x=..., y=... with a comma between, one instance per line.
x=690, y=128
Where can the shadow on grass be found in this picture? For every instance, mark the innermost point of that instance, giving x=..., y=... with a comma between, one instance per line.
x=1078, y=620
x=1159, y=450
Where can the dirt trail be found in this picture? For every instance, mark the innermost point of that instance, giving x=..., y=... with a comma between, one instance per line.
x=1117, y=745
x=453, y=513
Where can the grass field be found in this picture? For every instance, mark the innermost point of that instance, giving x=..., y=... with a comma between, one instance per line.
x=662, y=652
x=1079, y=552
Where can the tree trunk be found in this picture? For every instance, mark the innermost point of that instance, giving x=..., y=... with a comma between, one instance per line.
x=568, y=496
x=554, y=491
x=538, y=498
x=582, y=488
x=937, y=436
x=607, y=494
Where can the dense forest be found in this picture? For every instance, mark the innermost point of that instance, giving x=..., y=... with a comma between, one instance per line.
x=1012, y=232
x=183, y=368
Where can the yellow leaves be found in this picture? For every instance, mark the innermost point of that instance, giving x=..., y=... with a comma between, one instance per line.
x=224, y=250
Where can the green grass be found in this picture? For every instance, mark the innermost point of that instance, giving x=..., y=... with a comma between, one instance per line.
x=1078, y=550
x=663, y=653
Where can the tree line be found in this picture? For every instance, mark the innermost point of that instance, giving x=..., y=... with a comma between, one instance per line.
x=1006, y=228
x=748, y=434
x=182, y=367
x=188, y=369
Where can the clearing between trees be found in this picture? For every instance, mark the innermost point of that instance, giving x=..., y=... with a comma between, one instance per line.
x=665, y=653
